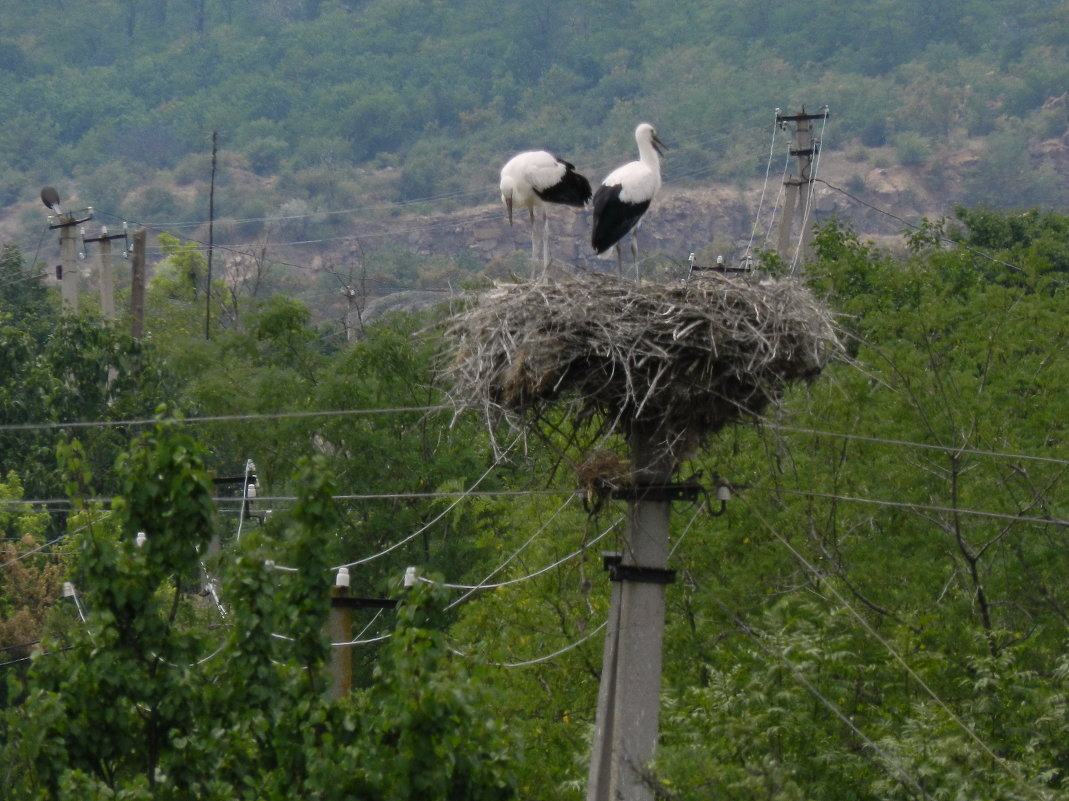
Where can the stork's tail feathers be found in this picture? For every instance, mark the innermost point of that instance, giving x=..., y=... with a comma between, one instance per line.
x=573, y=189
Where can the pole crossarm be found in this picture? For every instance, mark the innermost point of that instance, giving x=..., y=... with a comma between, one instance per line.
x=346, y=602
x=74, y=218
x=618, y=571
x=104, y=237
x=686, y=491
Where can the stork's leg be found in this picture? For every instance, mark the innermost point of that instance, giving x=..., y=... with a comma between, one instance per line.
x=619, y=260
x=545, y=241
x=534, y=238
x=634, y=253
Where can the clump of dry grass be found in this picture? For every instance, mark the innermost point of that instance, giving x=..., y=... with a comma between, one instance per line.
x=685, y=358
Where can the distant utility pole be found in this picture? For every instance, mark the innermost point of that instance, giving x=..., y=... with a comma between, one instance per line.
x=211, y=233
x=798, y=191
x=137, y=286
x=68, y=273
x=339, y=630
x=107, y=277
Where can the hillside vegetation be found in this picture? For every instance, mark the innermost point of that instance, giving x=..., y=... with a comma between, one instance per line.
x=386, y=106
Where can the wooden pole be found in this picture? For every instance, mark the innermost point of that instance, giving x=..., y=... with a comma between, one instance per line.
x=137, y=288
x=340, y=629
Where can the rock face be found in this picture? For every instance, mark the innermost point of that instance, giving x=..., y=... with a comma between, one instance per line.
x=680, y=222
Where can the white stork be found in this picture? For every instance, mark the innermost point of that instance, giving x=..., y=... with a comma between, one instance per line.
x=536, y=178
x=625, y=194
x=50, y=197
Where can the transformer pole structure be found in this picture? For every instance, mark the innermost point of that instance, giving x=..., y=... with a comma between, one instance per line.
x=798, y=191
x=628, y=715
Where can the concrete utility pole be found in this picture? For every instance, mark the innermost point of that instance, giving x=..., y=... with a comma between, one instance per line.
x=107, y=277
x=69, y=275
x=628, y=717
x=799, y=191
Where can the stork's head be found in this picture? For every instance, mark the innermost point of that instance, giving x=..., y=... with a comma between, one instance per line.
x=647, y=133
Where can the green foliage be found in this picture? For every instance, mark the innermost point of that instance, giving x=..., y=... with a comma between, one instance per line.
x=69, y=369
x=867, y=580
x=137, y=706
x=879, y=614
x=424, y=736
x=29, y=578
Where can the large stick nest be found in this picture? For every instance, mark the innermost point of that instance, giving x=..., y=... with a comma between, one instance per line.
x=687, y=358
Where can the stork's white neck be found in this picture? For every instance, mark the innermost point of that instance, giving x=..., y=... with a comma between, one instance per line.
x=647, y=153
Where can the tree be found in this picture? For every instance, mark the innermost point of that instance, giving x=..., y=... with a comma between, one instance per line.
x=883, y=619
x=143, y=702
x=24, y=300
x=29, y=578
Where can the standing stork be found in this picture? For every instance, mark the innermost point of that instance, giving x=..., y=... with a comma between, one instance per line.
x=50, y=197
x=625, y=194
x=537, y=178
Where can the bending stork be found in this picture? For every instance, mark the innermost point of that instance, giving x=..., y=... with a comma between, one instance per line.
x=537, y=178
x=624, y=196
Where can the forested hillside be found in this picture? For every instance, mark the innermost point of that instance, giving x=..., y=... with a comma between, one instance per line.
x=330, y=112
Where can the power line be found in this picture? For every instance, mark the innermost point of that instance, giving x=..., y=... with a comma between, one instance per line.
x=259, y=416
x=437, y=517
x=471, y=588
x=961, y=451
x=539, y=660
x=889, y=763
x=918, y=507
x=764, y=187
x=915, y=227
x=366, y=496
x=538, y=532
x=459, y=495
x=219, y=418
x=42, y=546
